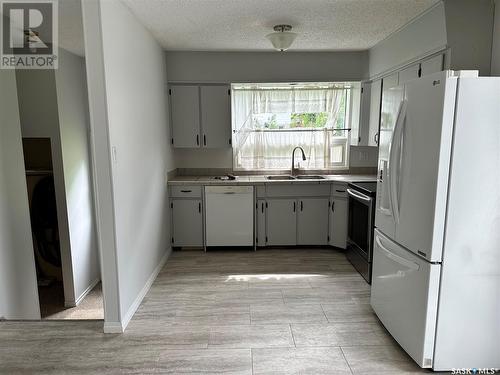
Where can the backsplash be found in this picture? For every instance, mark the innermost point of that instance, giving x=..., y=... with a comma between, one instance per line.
x=362, y=159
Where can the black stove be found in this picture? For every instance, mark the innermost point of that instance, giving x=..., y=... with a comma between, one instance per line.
x=362, y=197
x=369, y=188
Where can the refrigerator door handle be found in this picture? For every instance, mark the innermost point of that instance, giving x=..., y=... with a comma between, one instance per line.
x=398, y=259
x=395, y=145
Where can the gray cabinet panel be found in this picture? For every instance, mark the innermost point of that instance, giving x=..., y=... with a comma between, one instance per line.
x=185, y=112
x=390, y=81
x=432, y=65
x=281, y=222
x=187, y=222
x=409, y=74
x=215, y=116
x=338, y=222
x=375, y=106
x=261, y=222
x=312, y=221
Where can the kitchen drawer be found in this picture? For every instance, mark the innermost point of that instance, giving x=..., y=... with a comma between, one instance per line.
x=185, y=191
x=339, y=190
x=298, y=190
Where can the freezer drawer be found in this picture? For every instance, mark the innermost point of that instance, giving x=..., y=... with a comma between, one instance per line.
x=404, y=296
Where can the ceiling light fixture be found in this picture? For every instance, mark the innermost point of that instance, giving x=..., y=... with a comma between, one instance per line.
x=282, y=38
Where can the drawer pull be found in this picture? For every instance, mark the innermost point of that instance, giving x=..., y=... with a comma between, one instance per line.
x=186, y=191
x=340, y=191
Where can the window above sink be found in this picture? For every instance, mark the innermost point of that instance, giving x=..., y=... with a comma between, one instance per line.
x=269, y=120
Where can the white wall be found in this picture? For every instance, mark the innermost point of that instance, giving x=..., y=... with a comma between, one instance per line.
x=18, y=285
x=464, y=27
x=136, y=118
x=495, y=55
x=469, y=27
x=260, y=67
x=424, y=35
x=74, y=126
x=266, y=66
x=223, y=158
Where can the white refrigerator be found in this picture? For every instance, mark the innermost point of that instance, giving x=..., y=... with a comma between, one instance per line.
x=436, y=263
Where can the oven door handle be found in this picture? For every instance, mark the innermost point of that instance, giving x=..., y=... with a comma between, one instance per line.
x=357, y=195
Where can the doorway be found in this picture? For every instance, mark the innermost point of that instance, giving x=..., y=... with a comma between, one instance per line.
x=54, y=274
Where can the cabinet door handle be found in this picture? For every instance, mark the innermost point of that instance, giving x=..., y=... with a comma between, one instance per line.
x=375, y=138
x=301, y=206
x=199, y=207
x=204, y=140
x=333, y=206
x=262, y=207
x=197, y=140
x=294, y=206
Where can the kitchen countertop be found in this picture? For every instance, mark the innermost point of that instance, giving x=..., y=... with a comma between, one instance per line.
x=261, y=180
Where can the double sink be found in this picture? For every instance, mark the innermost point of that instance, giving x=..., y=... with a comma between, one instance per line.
x=298, y=177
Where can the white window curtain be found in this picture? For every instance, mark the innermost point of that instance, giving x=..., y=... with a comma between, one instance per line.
x=264, y=136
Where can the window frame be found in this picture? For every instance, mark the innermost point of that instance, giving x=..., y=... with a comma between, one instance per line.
x=345, y=140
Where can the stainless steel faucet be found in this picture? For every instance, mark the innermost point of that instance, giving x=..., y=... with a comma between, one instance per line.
x=293, y=171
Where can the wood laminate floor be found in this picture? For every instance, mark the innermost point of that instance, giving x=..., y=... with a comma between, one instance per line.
x=283, y=311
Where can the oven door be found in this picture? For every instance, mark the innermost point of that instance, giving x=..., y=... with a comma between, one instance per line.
x=360, y=223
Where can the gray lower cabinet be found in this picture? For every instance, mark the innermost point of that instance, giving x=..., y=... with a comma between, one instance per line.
x=187, y=222
x=260, y=215
x=281, y=222
x=338, y=222
x=312, y=221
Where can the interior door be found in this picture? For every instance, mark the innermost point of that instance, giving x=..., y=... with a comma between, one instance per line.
x=312, y=221
x=424, y=157
x=281, y=222
x=18, y=282
x=215, y=116
x=185, y=112
x=392, y=97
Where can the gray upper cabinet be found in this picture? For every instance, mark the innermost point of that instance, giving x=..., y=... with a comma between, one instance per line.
x=215, y=116
x=201, y=116
x=187, y=222
x=375, y=106
x=410, y=73
x=185, y=112
x=432, y=65
x=371, y=97
x=281, y=222
x=390, y=81
x=312, y=221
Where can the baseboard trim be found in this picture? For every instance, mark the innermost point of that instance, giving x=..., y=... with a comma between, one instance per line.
x=83, y=295
x=137, y=302
x=113, y=327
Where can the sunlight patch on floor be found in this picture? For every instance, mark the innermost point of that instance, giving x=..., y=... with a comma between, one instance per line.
x=271, y=276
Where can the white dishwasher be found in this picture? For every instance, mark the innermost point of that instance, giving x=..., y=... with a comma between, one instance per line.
x=229, y=214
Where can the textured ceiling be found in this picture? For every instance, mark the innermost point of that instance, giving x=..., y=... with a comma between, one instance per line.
x=241, y=25
x=71, y=26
